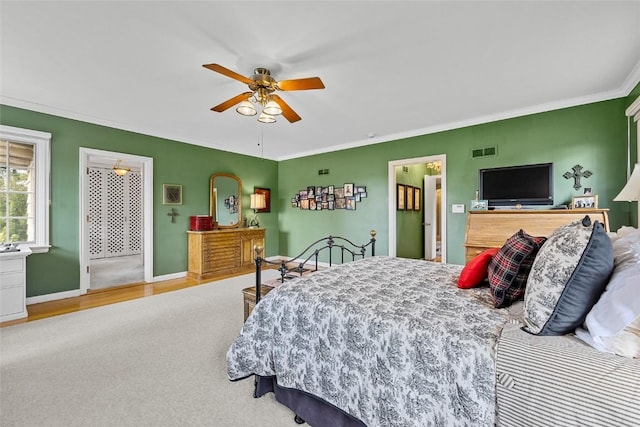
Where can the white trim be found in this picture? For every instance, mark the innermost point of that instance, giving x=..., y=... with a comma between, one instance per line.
x=509, y=114
x=170, y=276
x=391, y=191
x=42, y=149
x=147, y=207
x=53, y=297
x=634, y=108
x=629, y=83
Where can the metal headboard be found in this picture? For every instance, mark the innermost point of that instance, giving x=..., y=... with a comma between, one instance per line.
x=329, y=243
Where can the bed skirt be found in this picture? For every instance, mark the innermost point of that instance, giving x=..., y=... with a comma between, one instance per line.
x=313, y=410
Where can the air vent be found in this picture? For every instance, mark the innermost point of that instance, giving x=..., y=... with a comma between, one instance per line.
x=484, y=152
x=323, y=171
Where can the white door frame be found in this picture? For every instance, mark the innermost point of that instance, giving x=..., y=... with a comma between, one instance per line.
x=392, y=199
x=147, y=210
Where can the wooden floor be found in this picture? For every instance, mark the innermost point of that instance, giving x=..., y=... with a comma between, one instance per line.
x=103, y=297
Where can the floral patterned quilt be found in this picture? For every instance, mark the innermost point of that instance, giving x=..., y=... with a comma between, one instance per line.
x=391, y=341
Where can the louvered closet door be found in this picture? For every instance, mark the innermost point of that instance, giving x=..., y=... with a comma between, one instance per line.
x=115, y=209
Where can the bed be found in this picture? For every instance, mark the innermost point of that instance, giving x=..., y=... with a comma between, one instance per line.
x=384, y=341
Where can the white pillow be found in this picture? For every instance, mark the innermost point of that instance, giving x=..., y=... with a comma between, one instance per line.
x=613, y=324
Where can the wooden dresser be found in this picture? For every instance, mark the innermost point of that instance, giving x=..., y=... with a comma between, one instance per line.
x=490, y=229
x=223, y=252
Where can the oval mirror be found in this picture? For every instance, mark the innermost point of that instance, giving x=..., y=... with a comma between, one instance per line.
x=225, y=204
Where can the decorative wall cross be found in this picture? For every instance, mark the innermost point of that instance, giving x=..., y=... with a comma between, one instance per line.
x=576, y=175
x=173, y=214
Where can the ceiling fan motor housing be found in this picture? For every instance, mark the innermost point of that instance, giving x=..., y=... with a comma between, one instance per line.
x=261, y=79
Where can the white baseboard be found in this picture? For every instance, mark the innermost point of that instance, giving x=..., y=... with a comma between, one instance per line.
x=171, y=276
x=76, y=292
x=52, y=297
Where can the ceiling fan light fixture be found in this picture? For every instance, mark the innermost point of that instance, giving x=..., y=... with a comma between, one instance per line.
x=266, y=118
x=246, y=108
x=272, y=108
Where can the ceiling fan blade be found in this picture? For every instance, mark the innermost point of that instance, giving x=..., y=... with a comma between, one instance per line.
x=301, y=84
x=231, y=102
x=287, y=111
x=227, y=72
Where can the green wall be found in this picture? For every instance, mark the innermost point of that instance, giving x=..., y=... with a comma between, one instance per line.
x=173, y=162
x=592, y=135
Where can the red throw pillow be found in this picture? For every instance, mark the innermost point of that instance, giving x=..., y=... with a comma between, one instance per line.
x=476, y=270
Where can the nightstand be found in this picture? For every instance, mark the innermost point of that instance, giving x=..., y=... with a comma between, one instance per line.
x=249, y=297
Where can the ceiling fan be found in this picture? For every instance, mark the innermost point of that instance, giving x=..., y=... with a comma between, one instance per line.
x=263, y=86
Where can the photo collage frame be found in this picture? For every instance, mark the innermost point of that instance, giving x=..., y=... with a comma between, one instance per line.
x=318, y=198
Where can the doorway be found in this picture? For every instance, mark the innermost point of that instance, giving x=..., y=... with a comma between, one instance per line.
x=434, y=201
x=115, y=220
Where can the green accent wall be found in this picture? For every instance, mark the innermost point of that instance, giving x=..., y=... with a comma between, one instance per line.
x=173, y=163
x=592, y=135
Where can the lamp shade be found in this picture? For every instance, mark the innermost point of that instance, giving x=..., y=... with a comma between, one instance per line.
x=272, y=108
x=246, y=108
x=119, y=169
x=631, y=191
x=266, y=118
x=258, y=201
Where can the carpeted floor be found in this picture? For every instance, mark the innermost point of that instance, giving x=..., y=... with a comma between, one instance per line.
x=155, y=361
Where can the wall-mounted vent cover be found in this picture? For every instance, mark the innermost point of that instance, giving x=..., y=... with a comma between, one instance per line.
x=484, y=152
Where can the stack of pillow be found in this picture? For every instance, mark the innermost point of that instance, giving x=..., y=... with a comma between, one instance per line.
x=569, y=281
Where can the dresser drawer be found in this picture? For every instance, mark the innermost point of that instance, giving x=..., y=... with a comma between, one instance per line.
x=11, y=265
x=11, y=280
x=12, y=300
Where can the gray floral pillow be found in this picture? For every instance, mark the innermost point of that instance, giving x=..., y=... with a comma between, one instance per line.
x=567, y=277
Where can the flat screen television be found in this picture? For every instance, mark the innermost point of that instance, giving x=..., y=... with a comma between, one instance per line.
x=526, y=185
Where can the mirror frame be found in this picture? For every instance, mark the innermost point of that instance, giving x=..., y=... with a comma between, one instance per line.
x=213, y=201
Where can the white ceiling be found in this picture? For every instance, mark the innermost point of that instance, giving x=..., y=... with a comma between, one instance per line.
x=392, y=69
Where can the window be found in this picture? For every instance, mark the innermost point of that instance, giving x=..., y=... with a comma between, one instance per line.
x=24, y=187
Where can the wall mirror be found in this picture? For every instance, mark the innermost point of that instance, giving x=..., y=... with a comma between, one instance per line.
x=225, y=203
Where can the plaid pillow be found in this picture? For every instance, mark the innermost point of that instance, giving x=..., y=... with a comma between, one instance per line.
x=509, y=269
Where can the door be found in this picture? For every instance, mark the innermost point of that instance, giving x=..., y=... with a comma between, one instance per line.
x=430, y=218
x=115, y=213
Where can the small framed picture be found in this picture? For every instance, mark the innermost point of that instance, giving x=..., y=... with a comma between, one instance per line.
x=348, y=190
x=304, y=204
x=410, y=197
x=361, y=189
x=478, y=205
x=339, y=193
x=417, y=198
x=584, y=202
x=171, y=194
x=401, y=197
x=350, y=203
x=340, y=203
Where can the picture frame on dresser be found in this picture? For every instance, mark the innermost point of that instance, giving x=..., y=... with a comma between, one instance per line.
x=584, y=202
